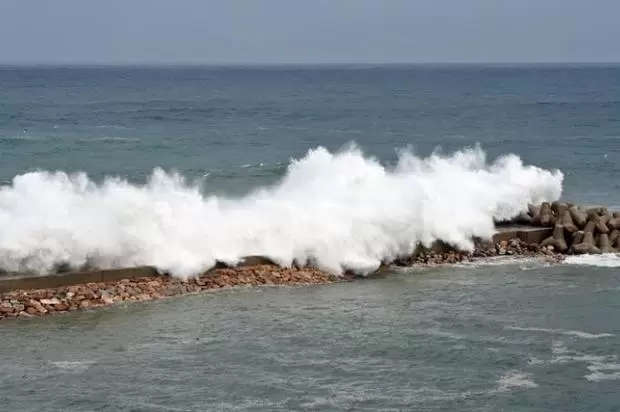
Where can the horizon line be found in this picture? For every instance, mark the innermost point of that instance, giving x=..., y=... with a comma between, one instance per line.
x=297, y=64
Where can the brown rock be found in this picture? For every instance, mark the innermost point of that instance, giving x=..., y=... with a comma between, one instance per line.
x=37, y=305
x=61, y=307
x=31, y=311
x=85, y=304
x=6, y=307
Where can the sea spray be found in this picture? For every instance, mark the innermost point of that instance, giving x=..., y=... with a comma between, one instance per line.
x=338, y=210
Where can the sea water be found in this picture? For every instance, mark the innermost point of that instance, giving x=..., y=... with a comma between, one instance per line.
x=345, y=166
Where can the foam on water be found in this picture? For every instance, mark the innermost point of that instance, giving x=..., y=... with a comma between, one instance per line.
x=341, y=210
x=576, y=333
x=515, y=380
x=608, y=260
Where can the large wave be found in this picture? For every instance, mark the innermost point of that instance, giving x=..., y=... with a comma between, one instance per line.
x=339, y=210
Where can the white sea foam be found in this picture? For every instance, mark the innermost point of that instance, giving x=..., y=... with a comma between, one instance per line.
x=576, y=333
x=515, y=380
x=609, y=260
x=600, y=367
x=341, y=210
x=78, y=366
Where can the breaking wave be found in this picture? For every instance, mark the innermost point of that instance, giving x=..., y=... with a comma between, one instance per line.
x=340, y=210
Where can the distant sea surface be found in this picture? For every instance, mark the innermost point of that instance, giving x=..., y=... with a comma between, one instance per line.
x=242, y=125
x=506, y=336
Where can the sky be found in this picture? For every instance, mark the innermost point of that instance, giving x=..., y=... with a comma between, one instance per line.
x=308, y=31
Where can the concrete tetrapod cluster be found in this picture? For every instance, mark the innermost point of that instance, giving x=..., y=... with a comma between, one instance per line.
x=576, y=229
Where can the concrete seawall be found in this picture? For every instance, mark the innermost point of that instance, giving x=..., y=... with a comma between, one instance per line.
x=16, y=281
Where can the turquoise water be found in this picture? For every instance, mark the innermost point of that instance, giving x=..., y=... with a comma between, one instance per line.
x=522, y=337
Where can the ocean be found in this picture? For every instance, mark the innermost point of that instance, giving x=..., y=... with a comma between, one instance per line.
x=348, y=166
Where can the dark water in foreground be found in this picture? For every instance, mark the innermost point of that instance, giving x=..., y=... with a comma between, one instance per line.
x=513, y=338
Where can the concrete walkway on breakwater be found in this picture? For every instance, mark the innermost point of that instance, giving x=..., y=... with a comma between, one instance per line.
x=17, y=281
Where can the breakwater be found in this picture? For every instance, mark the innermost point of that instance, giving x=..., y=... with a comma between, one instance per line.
x=549, y=230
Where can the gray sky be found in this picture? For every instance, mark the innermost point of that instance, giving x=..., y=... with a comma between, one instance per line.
x=308, y=31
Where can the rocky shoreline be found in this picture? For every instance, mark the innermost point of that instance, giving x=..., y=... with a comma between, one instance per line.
x=575, y=230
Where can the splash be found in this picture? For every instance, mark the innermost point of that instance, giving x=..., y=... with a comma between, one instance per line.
x=338, y=210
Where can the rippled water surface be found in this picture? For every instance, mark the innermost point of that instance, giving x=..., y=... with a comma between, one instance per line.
x=514, y=337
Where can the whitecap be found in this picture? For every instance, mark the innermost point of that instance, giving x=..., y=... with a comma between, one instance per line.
x=577, y=333
x=515, y=380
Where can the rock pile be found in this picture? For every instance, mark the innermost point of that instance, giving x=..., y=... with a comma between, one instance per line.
x=40, y=302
